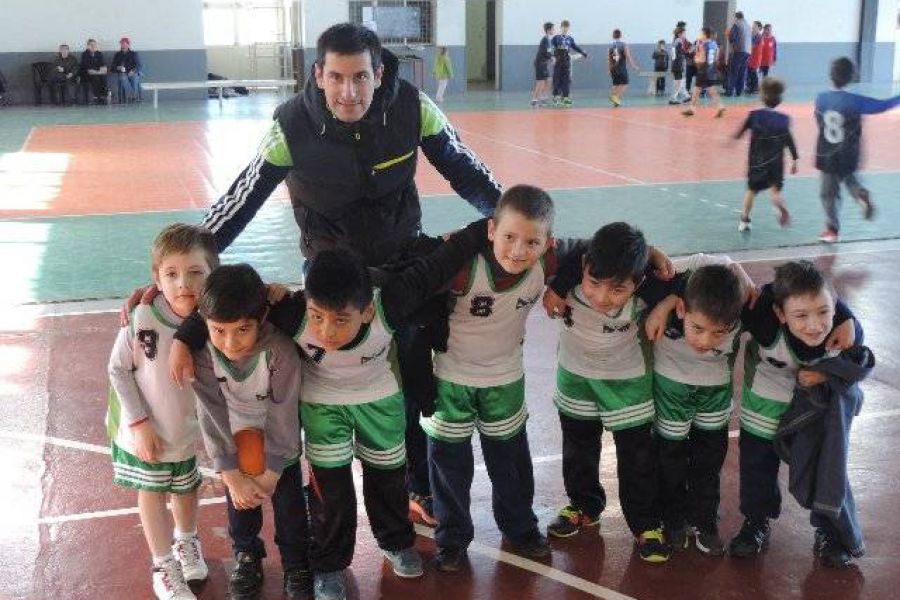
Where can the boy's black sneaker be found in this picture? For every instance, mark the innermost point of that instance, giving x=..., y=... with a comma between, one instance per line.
x=678, y=538
x=450, y=560
x=246, y=579
x=831, y=553
x=534, y=546
x=652, y=547
x=298, y=584
x=709, y=542
x=570, y=521
x=752, y=539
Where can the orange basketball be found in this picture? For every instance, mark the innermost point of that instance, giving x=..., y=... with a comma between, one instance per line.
x=251, y=453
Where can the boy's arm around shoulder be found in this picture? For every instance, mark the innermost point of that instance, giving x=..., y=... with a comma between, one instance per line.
x=404, y=292
x=282, y=416
x=212, y=414
x=121, y=378
x=287, y=314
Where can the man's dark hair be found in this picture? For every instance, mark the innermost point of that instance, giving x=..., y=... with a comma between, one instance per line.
x=619, y=252
x=715, y=292
x=680, y=24
x=348, y=38
x=758, y=24
x=842, y=71
x=798, y=278
x=530, y=201
x=739, y=15
x=338, y=278
x=548, y=26
x=232, y=293
x=707, y=32
x=771, y=90
x=617, y=33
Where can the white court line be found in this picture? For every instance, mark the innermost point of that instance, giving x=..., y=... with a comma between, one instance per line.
x=537, y=568
x=116, y=512
x=556, y=158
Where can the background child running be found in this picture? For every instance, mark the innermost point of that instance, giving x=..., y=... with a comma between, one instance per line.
x=443, y=72
x=152, y=422
x=618, y=58
x=770, y=134
x=706, y=59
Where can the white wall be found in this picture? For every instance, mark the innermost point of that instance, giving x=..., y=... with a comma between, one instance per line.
x=41, y=25
x=886, y=27
x=450, y=23
x=807, y=20
x=319, y=15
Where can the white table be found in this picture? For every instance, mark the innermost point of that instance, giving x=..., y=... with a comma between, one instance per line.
x=220, y=84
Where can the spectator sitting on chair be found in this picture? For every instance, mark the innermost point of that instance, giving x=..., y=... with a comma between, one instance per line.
x=93, y=71
x=62, y=75
x=128, y=65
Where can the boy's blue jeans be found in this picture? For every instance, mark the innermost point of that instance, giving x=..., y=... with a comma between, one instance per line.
x=129, y=86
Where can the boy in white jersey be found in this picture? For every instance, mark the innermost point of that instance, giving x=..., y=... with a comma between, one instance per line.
x=480, y=379
x=352, y=402
x=604, y=379
x=796, y=322
x=248, y=377
x=151, y=422
x=693, y=356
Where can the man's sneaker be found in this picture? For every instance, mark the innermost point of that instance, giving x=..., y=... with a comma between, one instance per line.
x=865, y=201
x=449, y=560
x=421, y=509
x=190, y=555
x=169, y=583
x=298, y=584
x=246, y=579
x=830, y=552
x=330, y=586
x=752, y=539
x=570, y=521
x=534, y=546
x=652, y=547
x=678, y=538
x=744, y=225
x=406, y=563
x=688, y=113
x=709, y=542
x=829, y=236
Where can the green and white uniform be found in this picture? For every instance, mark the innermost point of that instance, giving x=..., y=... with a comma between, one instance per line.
x=246, y=392
x=351, y=399
x=481, y=375
x=141, y=388
x=603, y=369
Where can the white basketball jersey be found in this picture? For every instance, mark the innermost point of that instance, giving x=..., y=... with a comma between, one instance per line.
x=774, y=369
x=487, y=328
x=675, y=359
x=354, y=375
x=601, y=346
x=248, y=392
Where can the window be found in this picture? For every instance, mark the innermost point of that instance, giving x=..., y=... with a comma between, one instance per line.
x=245, y=22
x=397, y=22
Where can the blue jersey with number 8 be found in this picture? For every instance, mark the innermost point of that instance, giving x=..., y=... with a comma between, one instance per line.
x=839, y=116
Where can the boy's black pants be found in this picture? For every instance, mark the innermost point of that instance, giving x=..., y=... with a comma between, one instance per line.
x=562, y=77
x=689, y=478
x=333, y=513
x=291, y=523
x=636, y=465
x=760, y=494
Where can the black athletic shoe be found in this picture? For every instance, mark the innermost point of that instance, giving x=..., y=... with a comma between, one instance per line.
x=709, y=542
x=450, y=560
x=752, y=539
x=678, y=538
x=534, y=546
x=298, y=584
x=246, y=579
x=830, y=552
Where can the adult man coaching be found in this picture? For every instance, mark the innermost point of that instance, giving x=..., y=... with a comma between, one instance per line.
x=347, y=147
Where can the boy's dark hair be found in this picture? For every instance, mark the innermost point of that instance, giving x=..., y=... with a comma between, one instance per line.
x=348, y=38
x=680, y=24
x=716, y=292
x=548, y=26
x=771, y=89
x=842, y=71
x=338, y=278
x=707, y=32
x=663, y=42
x=564, y=23
x=739, y=14
x=530, y=201
x=181, y=238
x=797, y=278
x=758, y=24
x=617, y=33
x=767, y=26
x=232, y=293
x=619, y=252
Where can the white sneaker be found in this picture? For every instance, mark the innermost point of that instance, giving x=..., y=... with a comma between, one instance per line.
x=169, y=583
x=744, y=225
x=829, y=237
x=189, y=555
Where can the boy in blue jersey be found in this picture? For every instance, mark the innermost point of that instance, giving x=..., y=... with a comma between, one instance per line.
x=705, y=59
x=619, y=57
x=838, y=114
x=770, y=134
x=542, y=61
x=562, y=43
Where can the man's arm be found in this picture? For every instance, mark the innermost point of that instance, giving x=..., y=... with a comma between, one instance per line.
x=237, y=207
x=865, y=105
x=405, y=292
x=467, y=175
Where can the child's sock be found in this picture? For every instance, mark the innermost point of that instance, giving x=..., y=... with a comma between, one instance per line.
x=185, y=535
x=159, y=560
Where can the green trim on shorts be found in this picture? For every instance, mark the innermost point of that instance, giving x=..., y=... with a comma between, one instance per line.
x=498, y=412
x=113, y=414
x=761, y=416
x=174, y=477
x=617, y=403
x=375, y=432
x=680, y=406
